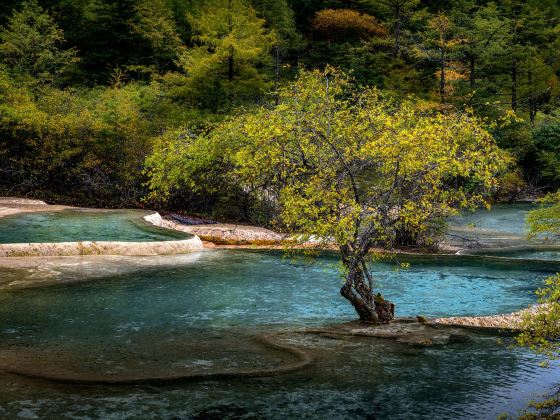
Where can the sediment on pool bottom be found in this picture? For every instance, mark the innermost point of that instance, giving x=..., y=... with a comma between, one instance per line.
x=301, y=356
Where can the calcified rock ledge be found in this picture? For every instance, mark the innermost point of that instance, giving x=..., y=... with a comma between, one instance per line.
x=101, y=248
x=404, y=331
x=10, y=205
x=222, y=233
x=512, y=321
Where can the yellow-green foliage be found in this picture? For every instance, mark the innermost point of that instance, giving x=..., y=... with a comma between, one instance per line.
x=227, y=32
x=546, y=219
x=95, y=140
x=340, y=162
x=542, y=328
x=31, y=44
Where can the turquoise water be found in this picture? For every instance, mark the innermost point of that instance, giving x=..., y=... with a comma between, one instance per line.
x=201, y=314
x=501, y=218
x=82, y=225
x=169, y=315
x=536, y=253
x=501, y=226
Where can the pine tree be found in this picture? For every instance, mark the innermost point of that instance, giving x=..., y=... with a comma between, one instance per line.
x=154, y=21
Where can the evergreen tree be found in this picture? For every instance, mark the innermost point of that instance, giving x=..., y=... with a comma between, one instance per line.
x=31, y=44
x=280, y=19
x=399, y=13
x=231, y=49
x=440, y=45
x=154, y=21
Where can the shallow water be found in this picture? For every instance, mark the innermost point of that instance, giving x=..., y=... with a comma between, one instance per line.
x=82, y=225
x=502, y=225
x=526, y=254
x=201, y=314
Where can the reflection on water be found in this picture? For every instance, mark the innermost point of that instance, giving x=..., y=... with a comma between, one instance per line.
x=202, y=314
x=82, y=225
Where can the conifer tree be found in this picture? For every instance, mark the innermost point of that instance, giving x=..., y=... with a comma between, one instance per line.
x=232, y=46
x=31, y=44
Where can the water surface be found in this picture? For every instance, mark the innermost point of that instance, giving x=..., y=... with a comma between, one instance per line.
x=201, y=314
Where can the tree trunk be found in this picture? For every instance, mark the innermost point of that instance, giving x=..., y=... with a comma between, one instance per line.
x=357, y=289
x=230, y=65
x=230, y=57
x=442, y=76
x=514, y=85
x=385, y=310
x=397, y=30
x=277, y=74
x=532, y=102
x=364, y=310
x=472, y=60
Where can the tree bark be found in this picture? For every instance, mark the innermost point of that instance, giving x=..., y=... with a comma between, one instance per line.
x=230, y=57
x=442, y=76
x=365, y=312
x=230, y=65
x=397, y=30
x=277, y=74
x=532, y=101
x=472, y=63
x=514, y=85
x=358, y=290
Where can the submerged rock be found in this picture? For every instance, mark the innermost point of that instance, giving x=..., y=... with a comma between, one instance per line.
x=402, y=330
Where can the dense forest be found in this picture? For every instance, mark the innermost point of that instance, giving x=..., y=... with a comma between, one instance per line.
x=92, y=92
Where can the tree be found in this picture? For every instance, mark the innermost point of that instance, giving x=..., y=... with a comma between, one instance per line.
x=483, y=31
x=400, y=12
x=334, y=24
x=545, y=162
x=31, y=42
x=232, y=42
x=280, y=19
x=346, y=167
x=541, y=326
x=155, y=22
x=102, y=30
x=528, y=38
x=440, y=45
x=540, y=88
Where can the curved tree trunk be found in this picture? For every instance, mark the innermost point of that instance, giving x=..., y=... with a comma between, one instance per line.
x=357, y=290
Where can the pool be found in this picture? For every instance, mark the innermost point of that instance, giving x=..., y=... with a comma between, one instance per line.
x=155, y=316
x=502, y=226
x=83, y=225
